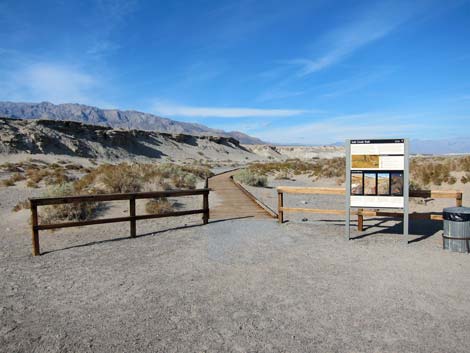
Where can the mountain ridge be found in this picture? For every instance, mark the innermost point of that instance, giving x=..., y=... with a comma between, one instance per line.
x=115, y=118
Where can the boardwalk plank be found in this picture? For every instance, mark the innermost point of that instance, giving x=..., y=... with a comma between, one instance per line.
x=234, y=203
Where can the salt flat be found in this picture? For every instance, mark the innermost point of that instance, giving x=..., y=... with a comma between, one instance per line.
x=231, y=286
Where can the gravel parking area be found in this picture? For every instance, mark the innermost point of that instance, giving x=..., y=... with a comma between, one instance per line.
x=232, y=286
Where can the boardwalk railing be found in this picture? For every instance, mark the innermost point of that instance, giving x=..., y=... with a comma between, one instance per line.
x=132, y=218
x=457, y=195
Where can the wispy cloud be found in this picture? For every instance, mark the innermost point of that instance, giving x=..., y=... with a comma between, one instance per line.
x=166, y=109
x=369, y=25
x=52, y=82
x=339, y=128
x=109, y=16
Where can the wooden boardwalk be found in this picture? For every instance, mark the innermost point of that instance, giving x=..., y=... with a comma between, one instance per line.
x=233, y=202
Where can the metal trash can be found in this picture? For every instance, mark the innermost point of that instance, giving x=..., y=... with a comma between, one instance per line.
x=456, y=236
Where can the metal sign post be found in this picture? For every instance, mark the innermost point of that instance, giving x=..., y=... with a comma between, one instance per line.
x=377, y=177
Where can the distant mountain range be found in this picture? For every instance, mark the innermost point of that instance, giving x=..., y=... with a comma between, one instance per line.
x=126, y=119
x=444, y=146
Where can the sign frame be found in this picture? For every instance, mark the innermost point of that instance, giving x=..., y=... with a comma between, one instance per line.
x=406, y=183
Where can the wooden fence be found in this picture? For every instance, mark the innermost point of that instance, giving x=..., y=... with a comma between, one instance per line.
x=132, y=218
x=457, y=195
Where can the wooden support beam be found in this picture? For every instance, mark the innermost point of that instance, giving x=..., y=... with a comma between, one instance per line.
x=437, y=194
x=360, y=220
x=35, y=230
x=205, y=207
x=115, y=197
x=132, y=215
x=280, y=206
x=311, y=210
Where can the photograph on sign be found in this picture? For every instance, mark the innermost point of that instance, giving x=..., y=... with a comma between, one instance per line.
x=370, y=183
x=383, y=184
x=356, y=183
x=397, y=184
x=365, y=161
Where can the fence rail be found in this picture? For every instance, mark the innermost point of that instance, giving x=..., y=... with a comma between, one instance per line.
x=457, y=195
x=132, y=218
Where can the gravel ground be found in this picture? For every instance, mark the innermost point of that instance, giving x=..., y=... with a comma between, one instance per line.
x=234, y=286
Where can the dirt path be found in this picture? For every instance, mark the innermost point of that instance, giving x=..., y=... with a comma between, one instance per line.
x=234, y=203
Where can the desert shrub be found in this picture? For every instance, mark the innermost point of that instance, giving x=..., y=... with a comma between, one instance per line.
x=248, y=177
x=73, y=166
x=282, y=175
x=199, y=171
x=17, y=177
x=120, y=178
x=158, y=206
x=13, y=179
x=57, y=177
x=21, y=206
x=184, y=180
x=329, y=168
x=7, y=182
x=32, y=184
x=10, y=167
x=36, y=174
x=415, y=186
x=436, y=171
x=465, y=178
x=72, y=212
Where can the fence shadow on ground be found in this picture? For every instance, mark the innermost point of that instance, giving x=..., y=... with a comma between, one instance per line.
x=156, y=233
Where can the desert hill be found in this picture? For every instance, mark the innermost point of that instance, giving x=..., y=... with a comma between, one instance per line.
x=125, y=119
x=94, y=141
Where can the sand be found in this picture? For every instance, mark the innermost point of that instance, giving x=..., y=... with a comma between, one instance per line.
x=232, y=286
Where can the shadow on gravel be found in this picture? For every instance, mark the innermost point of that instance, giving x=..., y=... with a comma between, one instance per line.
x=422, y=229
x=141, y=235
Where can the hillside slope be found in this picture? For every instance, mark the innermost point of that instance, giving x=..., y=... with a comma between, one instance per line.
x=126, y=119
x=91, y=141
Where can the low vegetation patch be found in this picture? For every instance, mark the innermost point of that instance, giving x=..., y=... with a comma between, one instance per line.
x=158, y=206
x=426, y=171
x=71, y=212
x=248, y=177
x=64, y=179
x=123, y=178
x=319, y=168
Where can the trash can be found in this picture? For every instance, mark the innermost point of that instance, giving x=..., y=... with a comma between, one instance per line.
x=456, y=236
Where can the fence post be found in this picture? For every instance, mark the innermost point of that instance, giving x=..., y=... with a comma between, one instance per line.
x=458, y=200
x=205, y=207
x=280, y=205
x=132, y=214
x=35, y=231
x=360, y=220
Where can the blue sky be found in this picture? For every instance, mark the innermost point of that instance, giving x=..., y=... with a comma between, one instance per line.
x=308, y=72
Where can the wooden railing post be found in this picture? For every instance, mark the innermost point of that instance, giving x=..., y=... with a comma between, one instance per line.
x=280, y=205
x=34, y=227
x=360, y=220
x=132, y=214
x=458, y=200
x=205, y=207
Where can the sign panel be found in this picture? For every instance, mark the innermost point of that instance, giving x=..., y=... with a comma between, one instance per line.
x=376, y=173
x=377, y=176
